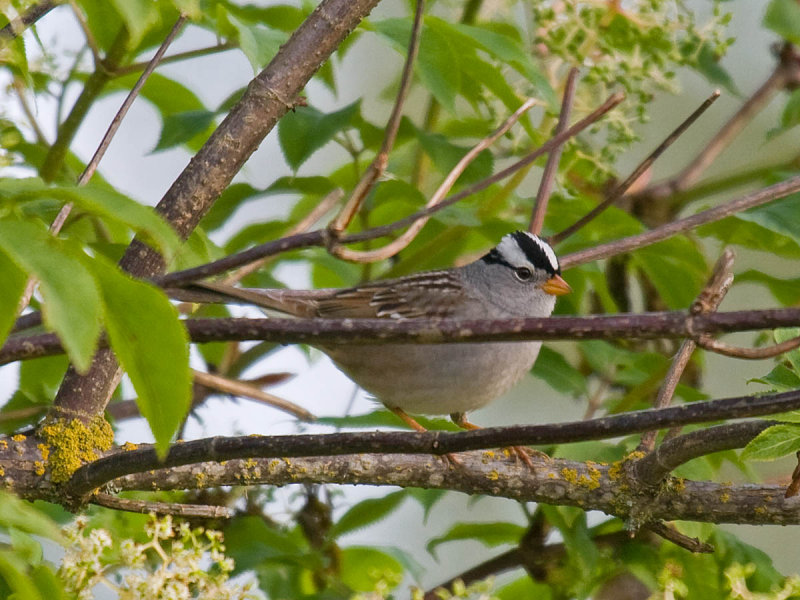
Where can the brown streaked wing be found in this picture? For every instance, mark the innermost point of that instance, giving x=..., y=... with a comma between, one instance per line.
x=404, y=298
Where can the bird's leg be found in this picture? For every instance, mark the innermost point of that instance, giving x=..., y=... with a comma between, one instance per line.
x=450, y=459
x=519, y=452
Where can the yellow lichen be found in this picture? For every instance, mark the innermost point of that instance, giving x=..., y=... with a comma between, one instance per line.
x=38, y=467
x=45, y=450
x=73, y=443
x=493, y=475
x=725, y=497
x=127, y=446
x=3, y=445
x=18, y=438
x=2, y=472
x=200, y=478
x=679, y=484
x=760, y=510
x=570, y=475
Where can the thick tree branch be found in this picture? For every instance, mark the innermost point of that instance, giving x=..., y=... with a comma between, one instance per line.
x=100, y=472
x=268, y=97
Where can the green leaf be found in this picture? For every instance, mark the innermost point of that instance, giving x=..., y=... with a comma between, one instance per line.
x=783, y=17
x=708, y=65
x=363, y=568
x=427, y=499
x=71, y=301
x=19, y=514
x=13, y=279
x=438, y=64
x=524, y=587
x=554, y=369
x=14, y=572
x=793, y=356
x=25, y=546
x=367, y=512
x=306, y=130
x=774, y=442
x=663, y=260
x=182, y=127
x=138, y=15
x=489, y=534
x=781, y=379
x=786, y=291
x=168, y=96
x=791, y=111
x=48, y=583
x=250, y=542
x=258, y=43
x=152, y=346
x=445, y=155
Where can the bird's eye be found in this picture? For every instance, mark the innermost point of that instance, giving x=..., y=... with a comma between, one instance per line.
x=523, y=273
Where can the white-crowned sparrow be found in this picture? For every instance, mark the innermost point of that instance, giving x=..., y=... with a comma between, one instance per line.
x=520, y=277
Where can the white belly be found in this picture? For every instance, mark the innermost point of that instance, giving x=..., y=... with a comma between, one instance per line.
x=418, y=379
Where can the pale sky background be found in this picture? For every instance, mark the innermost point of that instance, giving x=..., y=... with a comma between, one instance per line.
x=319, y=386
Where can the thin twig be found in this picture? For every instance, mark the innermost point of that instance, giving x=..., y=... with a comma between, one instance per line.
x=408, y=236
x=19, y=88
x=240, y=388
x=679, y=539
x=785, y=72
x=178, y=56
x=319, y=211
x=322, y=237
x=203, y=511
x=551, y=167
x=707, y=343
x=707, y=301
x=16, y=26
x=757, y=198
x=657, y=465
x=620, y=190
x=87, y=33
x=381, y=160
x=91, y=167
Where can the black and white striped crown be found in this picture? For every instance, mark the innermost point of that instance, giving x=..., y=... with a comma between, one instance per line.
x=521, y=247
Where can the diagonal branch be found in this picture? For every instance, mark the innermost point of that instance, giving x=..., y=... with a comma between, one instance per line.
x=619, y=191
x=268, y=97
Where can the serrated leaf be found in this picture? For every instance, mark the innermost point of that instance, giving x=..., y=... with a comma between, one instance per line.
x=427, y=499
x=445, y=155
x=783, y=17
x=251, y=542
x=663, y=260
x=71, y=301
x=781, y=379
x=258, y=43
x=708, y=64
x=489, y=534
x=367, y=512
x=774, y=442
x=305, y=130
x=152, y=347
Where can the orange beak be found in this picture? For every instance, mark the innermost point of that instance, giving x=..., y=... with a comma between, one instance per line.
x=556, y=286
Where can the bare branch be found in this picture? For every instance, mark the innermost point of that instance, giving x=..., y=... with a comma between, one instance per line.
x=676, y=537
x=786, y=72
x=757, y=198
x=35, y=12
x=619, y=191
x=240, y=388
x=381, y=160
x=438, y=443
x=175, y=509
x=708, y=301
x=323, y=238
x=178, y=56
x=707, y=343
x=551, y=166
x=408, y=236
x=656, y=466
x=434, y=331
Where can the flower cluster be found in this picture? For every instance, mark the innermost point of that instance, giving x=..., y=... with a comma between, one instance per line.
x=176, y=562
